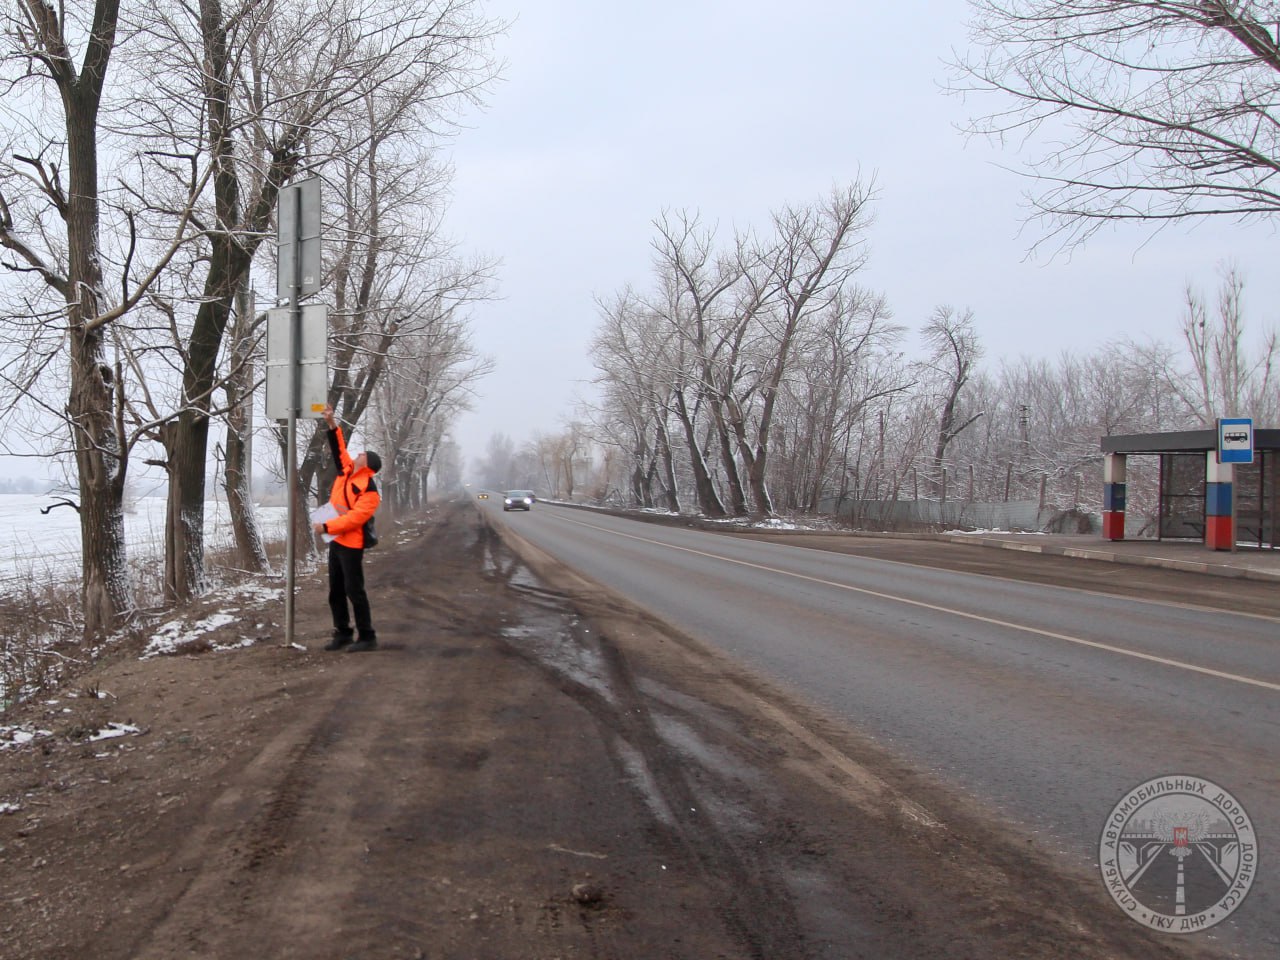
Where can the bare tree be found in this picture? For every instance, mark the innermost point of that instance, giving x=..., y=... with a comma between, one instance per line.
x=955, y=352
x=432, y=369
x=1148, y=110
x=696, y=289
x=845, y=364
x=715, y=345
x=40, y=39
x=818, y=251
x=632, y=351
x=1218, y=374
x=265, y=101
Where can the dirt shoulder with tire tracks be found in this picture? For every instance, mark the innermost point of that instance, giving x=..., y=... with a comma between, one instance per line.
x=527, y=768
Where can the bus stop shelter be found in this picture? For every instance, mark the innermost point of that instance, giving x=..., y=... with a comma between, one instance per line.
x=1220, y=504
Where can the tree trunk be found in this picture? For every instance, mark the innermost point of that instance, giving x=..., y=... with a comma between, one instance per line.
x=708, y=499
x=639, y=487
x=106, y=591
x=251, y=553
x=101, y=459
x=185, y=442
x=737, y=496
x=672, y=491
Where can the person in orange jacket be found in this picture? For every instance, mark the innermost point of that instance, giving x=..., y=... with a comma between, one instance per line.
x=355, y=497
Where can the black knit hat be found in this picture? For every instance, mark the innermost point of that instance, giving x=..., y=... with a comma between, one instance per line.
x=373, y=460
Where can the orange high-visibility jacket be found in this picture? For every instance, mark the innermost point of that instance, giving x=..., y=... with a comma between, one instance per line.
x=354, y=496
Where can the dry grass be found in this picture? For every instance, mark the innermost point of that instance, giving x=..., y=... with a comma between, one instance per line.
x=42, y=642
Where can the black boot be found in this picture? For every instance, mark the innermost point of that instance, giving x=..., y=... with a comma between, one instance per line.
x=366, y=642
x=341, y=638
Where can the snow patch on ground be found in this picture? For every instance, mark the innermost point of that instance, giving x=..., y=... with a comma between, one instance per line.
x=775, y=523
x=113, y=730
x=257, y=593
x=11, y=737
x=177, y=634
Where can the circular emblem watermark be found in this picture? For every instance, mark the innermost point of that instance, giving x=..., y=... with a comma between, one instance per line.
x=1178, y=854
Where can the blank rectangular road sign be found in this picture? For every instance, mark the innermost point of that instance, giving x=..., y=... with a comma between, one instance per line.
x=298, y=235
x=313, y=367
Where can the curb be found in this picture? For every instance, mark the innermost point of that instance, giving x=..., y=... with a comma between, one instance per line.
x=1107, y=556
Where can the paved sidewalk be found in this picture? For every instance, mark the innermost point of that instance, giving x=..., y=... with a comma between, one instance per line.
x=1247, y=563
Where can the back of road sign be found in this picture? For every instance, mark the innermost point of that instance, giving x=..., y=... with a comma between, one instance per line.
x=298, y=236
x=313, y=372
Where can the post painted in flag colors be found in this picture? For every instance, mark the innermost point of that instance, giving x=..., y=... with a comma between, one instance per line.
x=1219, y=518
x=1113, y=496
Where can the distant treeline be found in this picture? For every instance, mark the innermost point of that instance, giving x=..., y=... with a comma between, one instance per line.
x=25, y=485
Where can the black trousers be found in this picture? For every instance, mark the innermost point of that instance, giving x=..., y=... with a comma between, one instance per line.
x=346, y=582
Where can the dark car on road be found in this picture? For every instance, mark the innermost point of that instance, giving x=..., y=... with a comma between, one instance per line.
x=517, y=500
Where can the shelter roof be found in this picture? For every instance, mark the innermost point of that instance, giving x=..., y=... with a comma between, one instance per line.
x=1182, y=441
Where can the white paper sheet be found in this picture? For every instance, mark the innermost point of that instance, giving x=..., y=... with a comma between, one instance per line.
x=322, y=513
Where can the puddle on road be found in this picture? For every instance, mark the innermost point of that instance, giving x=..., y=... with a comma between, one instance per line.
x=558, y=649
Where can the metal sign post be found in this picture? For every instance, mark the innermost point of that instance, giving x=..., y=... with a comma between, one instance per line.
x=297, y=275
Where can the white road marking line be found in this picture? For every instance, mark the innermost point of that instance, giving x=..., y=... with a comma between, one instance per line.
x=1109, y=648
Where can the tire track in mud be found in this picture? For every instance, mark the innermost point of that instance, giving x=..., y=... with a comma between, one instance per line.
x=241, y=831
x=753, y=902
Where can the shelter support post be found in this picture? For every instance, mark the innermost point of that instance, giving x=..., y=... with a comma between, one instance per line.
x=1219, y=520
x=1113, y=495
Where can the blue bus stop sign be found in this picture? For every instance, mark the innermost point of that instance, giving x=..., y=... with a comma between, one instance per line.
x=1235, y=440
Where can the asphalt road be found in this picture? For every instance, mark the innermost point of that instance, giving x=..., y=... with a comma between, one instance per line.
x=1046, y=704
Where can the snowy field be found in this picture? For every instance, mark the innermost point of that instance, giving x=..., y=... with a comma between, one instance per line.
x=46, y=547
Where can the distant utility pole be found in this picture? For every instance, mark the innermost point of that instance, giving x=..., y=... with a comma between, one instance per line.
x=297, y=374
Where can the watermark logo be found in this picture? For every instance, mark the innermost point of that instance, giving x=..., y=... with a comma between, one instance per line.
x=1178, y=854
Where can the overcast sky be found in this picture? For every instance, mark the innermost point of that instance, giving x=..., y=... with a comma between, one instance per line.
x=610, y=113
